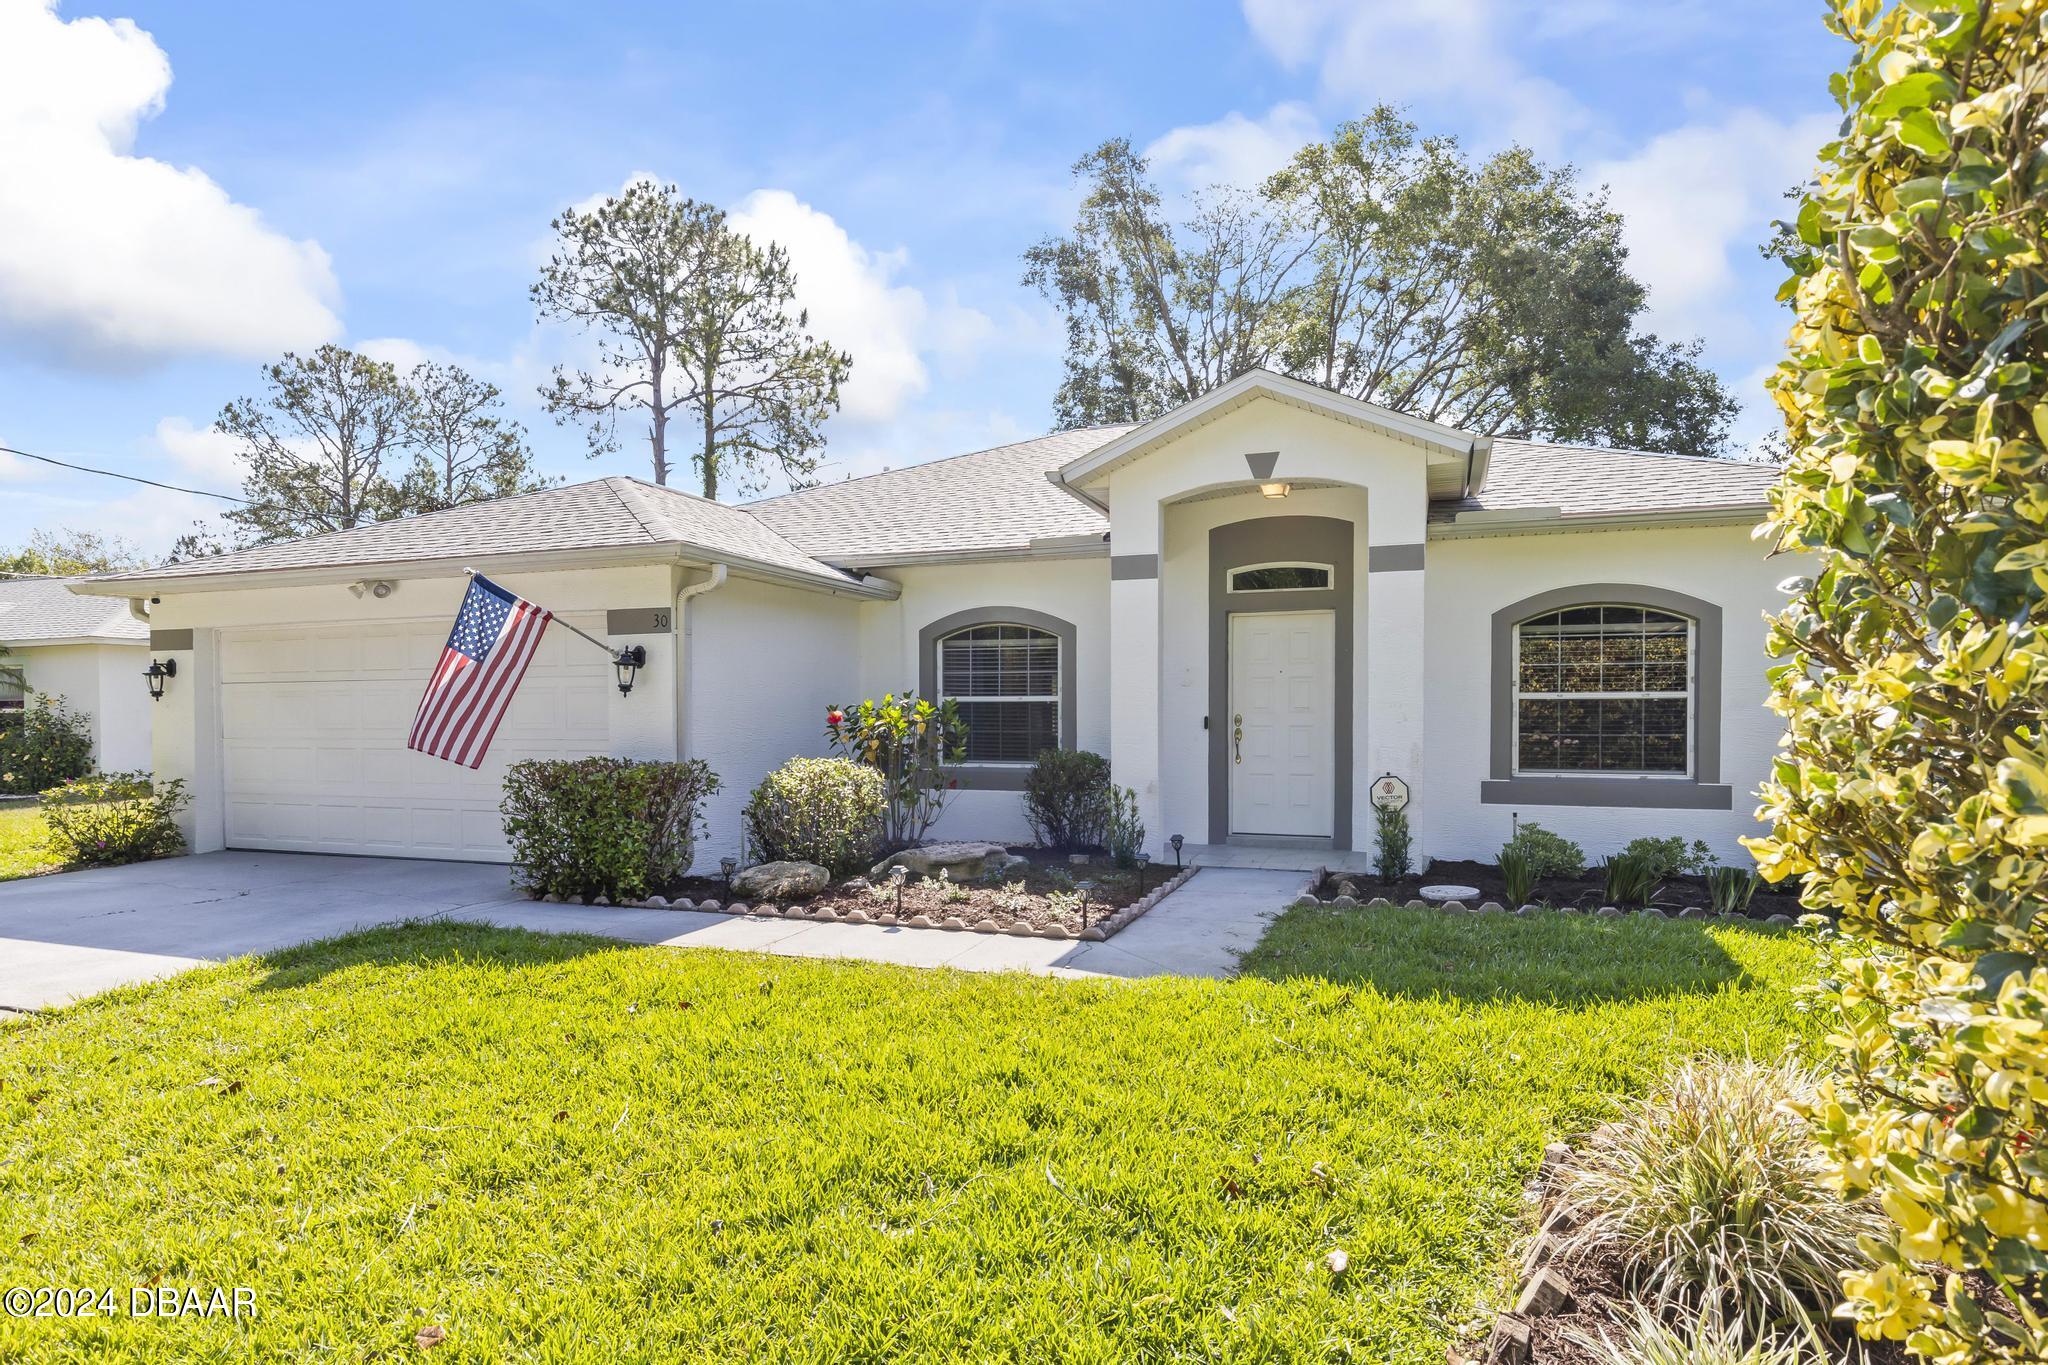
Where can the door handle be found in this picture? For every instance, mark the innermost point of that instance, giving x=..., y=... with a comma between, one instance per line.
x=1237, y=738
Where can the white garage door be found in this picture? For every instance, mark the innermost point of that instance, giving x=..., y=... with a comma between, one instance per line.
x=313, y=726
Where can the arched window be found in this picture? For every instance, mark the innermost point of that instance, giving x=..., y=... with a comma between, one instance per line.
x=1605, y=688
x=1279, y=577
x=1005, y=678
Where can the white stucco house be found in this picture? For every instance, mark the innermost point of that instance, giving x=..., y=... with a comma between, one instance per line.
x=87, y=650
x=1256, y=605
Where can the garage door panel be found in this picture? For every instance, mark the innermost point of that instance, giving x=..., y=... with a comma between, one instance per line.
x=314, y=723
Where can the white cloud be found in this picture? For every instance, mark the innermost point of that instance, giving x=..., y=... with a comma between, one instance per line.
x=201, y=454
x=111, y=258
x=1696, y=197
x=1233, y=150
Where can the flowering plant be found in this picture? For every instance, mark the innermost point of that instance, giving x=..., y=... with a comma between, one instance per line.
x=911, y=742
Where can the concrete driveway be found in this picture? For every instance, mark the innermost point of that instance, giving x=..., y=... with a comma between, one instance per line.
x=75, y=934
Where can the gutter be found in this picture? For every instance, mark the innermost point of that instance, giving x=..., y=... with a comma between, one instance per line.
x=686, y=594
x=1549, y=521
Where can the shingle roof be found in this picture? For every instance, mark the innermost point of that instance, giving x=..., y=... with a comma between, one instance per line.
x=612, y=512
x=1593, y=481
x=40, y=610
x=990, y=501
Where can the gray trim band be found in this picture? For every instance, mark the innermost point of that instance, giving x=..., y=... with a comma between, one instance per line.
x=1593, y=789
x=638, y=621
x=1639, y=793
x=1122, y=567
x=981, y=777
x=170, y=639
x=991, y=777
x=1392, y=558
x=1262, y=540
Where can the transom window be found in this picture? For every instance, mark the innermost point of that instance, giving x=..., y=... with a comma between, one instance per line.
x=1605, y=689
x=1279, y=577
x=1006, y=681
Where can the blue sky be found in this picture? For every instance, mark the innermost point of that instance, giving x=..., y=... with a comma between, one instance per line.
x=187, y=190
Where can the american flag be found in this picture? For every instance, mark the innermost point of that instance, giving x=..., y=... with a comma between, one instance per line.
x=495, y=635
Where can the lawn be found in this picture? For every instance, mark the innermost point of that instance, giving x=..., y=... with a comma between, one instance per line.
x=22, y=851
x=558, y=1148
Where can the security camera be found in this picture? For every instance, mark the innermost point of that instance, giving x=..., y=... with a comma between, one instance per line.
x=379, y=588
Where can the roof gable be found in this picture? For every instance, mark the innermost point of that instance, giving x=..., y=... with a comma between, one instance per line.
x=45, y=611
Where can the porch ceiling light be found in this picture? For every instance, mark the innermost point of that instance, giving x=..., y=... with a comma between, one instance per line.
x=155, y=675
x=1275, y=490
x=630, y=661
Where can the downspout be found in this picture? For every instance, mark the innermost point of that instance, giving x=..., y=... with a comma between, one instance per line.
x=138, y=609
x=715, y=580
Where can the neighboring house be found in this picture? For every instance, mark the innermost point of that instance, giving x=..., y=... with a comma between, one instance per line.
x=87, y=650
x=1257, y=605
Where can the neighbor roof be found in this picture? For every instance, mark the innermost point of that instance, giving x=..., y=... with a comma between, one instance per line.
x=44, y=611
x=1594, y=482
x=612, y=513
x=991, y=502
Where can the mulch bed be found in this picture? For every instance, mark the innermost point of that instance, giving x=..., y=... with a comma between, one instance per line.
x=1046, y=875
x=1585, y=893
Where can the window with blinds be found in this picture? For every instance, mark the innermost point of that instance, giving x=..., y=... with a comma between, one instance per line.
x=1006, y=681
x=1604, y=689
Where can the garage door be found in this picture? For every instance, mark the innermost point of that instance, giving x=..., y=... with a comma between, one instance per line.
x=313, y=726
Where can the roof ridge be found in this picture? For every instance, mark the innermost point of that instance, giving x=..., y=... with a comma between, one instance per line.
x=633, y=506
x=641, y=486
x=943, y=459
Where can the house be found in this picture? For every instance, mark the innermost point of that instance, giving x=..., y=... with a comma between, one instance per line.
x=1259, y=605
x=87, y=650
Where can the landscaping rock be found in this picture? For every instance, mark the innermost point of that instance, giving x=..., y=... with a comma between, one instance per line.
x=710, y=903
x=782, y=881
x=1093, y=934
x=1546, y=1294
x=963, y=861
x=1556, y=1156
x=1492, y=908
x=655, y=903
x=1054, y=931
x=1078, y=859
x=738, y=908
x=1347, y=888
x=987, y=926
x=1509, y=1342
x=1527, y=909
x=1779, y=919
x=1346, y=902
x=1609, y=912
x=1416, y=905
x=1693, y=912
x=1449, y=891
x=1653, y=912
x=856, y=917
x=855, y=885
x=1020, y=929
x=921, y=922
x=952, y=922
x=1379, y=903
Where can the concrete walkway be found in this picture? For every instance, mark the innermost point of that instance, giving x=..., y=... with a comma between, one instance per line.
x=78, y=933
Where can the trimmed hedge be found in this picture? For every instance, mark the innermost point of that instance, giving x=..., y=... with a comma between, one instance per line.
x=614, y=827
x=826, y=811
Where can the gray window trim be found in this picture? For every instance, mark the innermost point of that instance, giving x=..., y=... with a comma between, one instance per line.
x=1003, y=777
x=1701, y=791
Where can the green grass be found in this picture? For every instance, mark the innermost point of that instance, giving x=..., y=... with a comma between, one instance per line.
x=562, y=1148
x=22, y=848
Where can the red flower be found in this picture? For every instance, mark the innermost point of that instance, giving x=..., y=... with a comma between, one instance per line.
x=834, y=716
x=954, y=783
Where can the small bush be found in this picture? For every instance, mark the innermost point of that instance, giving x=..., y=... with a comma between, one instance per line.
x=1644, y=1340
x=42, y=745
x=1550, y=855
x=1518, y=873
x=595, y=826
x=1123, y=834
x=1392, y=844
x=1673, y=857
x=1716, y=1199
x=1066, y=799
x=913, y=744
x=1729, y=889
x=1630, y=879
x=826, y=811
x=112, y=818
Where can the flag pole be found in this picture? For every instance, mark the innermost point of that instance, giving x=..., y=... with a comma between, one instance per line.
x=609, y=651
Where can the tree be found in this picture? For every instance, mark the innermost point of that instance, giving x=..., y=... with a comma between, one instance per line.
x=689, y=316
x=1383, y=265
x=463, y=450
x=1911, y=795
x=62, y=554
x=317, y=444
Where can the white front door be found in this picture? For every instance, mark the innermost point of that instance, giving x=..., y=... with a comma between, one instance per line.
x=1282, y=714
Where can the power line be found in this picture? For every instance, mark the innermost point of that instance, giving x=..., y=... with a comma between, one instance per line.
x=132, y=478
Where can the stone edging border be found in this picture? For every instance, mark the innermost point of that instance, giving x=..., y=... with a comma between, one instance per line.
x=1096, y=932
x=1496, y=908
x=1541, y=1290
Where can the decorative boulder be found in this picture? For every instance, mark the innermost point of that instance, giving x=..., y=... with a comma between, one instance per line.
x=781, y=881
x=1347, y=888
x=961, y=861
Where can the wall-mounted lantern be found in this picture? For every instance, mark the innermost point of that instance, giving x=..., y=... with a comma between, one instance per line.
x=1276, y=489
x=158, y=671
x=629, y=661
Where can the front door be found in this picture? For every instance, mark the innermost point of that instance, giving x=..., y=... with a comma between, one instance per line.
x=1282, y=714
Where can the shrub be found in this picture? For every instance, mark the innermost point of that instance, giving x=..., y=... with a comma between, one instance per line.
x=614, y=827
x=1518, y=873
x=112, y=818
x=1550, y=855
x=1672, y=856
x=1392, y=844
x=1645, y=1340
x=1911, y=788
x=1630, y=879
x=43, y=744
x=1066, y=798
x=817, y=810
x=1123, y=832
x=1729, y=890
x=911, y=742
x=1715, y=1199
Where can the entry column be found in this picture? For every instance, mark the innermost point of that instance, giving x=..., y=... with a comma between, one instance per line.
x=1134, y=666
